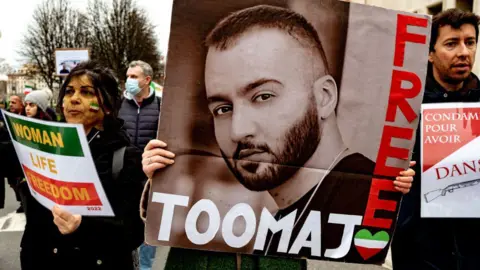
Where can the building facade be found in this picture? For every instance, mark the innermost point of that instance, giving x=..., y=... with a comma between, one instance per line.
x=24, y=79
x=3, y=87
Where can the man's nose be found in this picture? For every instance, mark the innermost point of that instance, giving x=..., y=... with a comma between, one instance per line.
x=463, y=51
x=243, y=125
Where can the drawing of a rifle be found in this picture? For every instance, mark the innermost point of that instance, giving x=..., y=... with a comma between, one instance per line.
x=432, y=195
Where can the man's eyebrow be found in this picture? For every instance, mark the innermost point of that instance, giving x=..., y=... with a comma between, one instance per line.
x=256, y=84
x=217, y=98
x=452, y=39
x=244, y=90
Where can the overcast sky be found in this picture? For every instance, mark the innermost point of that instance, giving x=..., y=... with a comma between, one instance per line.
x=16, y=15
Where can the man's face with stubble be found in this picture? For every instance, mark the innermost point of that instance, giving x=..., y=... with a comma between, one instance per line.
x=260, y=94
x=16, y=105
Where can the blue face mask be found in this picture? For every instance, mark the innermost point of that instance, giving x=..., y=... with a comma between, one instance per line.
x=132, y=86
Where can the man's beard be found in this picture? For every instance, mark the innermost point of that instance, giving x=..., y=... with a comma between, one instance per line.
x=451, y=77
x=300, y=142
x=459, y=78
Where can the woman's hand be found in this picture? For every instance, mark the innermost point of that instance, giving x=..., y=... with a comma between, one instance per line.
x=154, y=157
x=66, y=222
x=403, y=183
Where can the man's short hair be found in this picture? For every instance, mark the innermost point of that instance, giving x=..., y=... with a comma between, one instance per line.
x=455, y=18
x=146, y=68
x=230, y=28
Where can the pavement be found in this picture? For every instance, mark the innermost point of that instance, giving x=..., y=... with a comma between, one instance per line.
x=12, y=225
x=11, y=231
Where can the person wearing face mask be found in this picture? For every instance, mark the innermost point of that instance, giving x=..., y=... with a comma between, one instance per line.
x=141, y=106
x=141, y=109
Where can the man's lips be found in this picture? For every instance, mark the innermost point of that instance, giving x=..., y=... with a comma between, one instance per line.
x=249, y=152
x=461, y=65
x=253, y=155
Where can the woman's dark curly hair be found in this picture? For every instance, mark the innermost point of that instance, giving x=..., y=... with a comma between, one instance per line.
x=105, y=85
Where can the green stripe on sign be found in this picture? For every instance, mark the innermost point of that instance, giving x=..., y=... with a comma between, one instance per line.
x=55, y=140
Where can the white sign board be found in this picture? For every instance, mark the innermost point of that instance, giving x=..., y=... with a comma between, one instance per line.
x=58, y=165
x=67, y=59
x=450, y=134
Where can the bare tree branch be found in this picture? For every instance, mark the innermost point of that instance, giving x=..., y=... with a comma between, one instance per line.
x=55, y=25
x=121, y=33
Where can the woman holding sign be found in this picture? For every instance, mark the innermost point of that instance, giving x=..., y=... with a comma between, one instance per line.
x=59, y=239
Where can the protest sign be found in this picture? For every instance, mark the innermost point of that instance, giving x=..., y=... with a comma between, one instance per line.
x=66, y=59
x=289, y=121
x=450, y=164
x=58, y=165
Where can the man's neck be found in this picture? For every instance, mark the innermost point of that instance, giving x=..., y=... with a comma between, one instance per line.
x=450, y=87
x=329, y=151
x=143, y=94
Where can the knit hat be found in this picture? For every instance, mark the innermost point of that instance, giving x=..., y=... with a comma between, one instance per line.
x=40, y=97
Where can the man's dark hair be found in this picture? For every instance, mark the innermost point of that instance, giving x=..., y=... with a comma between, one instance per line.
x=455, y=18
x=104, y=82
x=230, y=28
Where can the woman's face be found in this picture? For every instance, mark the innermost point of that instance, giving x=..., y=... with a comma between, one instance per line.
x=30, y=109
x=80, y=104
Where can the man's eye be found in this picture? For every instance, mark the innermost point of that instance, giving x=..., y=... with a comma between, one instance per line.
x=263, y=97
x=222, y=110
x=450, y=44
x=69, y=91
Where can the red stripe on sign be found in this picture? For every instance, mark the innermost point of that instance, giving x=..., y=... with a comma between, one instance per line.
x=367, y=253
x=62, y=193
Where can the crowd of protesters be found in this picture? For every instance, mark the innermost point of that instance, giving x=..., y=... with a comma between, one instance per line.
x=127, y=121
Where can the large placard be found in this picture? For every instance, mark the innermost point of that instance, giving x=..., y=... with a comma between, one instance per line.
x=289, y=121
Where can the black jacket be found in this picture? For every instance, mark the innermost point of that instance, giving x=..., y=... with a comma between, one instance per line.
x=108, y=240
x=141, y=122
x=9, y=164
x=447, y=243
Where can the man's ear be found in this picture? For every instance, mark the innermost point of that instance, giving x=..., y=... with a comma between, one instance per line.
x=326, y=95
x=430, y=56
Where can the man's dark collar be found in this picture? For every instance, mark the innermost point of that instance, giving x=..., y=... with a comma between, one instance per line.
x=470, y=83
x=145, y=101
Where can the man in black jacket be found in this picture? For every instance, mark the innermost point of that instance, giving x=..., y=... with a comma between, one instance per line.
x=141, y=107
x=442, y=243
x=140, y=110
x=15, y=106
x=4, y=138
